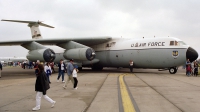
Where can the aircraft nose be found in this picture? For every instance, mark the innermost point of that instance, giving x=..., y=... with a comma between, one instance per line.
x=191, y=54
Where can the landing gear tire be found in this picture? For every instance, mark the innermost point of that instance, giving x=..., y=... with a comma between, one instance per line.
x=172, y=70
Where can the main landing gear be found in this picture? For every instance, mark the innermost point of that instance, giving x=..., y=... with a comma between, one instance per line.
x=173, y=70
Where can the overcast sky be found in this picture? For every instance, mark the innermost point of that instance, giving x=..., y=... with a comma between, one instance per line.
x=115, y=18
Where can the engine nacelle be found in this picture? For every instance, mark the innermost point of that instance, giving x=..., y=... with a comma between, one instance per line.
x=44, y=55
x=80, y=54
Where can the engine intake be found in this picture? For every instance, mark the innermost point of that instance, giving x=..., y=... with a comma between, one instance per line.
x=80, y=54
x=44, y=55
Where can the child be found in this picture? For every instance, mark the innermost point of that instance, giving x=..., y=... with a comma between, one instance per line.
x=74, y=74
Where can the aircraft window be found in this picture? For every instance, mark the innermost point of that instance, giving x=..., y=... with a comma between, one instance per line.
x=171, y=43
x=176, y=43
x=182, y=43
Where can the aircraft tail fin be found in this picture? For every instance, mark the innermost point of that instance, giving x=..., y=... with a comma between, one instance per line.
x=34, y=26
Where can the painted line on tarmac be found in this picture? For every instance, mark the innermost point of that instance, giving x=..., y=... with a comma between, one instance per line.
x=126, y=101
x=132, y=99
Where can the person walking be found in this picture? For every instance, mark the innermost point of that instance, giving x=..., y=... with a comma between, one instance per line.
x=70, y=69
x=131, y=65
x=74, y=74
x=41, y=86
x=61, y=70
x=0, y=69
x=48, y=71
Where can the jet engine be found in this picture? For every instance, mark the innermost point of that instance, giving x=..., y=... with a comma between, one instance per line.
x=80, y=54
x=44, y=55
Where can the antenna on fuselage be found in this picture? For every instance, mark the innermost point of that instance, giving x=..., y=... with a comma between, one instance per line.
x=34, y=26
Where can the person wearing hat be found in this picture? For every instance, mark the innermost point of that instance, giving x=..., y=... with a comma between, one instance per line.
x=70, y=69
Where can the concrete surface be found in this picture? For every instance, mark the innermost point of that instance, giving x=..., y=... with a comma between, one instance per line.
x=152, y=90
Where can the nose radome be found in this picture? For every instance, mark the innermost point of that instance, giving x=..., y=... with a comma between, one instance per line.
x=191, y=54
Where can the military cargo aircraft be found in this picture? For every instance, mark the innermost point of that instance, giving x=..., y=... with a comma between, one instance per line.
x=98, y=52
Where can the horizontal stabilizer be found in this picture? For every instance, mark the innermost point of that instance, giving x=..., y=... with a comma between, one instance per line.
x=30, y=23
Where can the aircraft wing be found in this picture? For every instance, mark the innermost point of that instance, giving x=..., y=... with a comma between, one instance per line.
x=88, y=41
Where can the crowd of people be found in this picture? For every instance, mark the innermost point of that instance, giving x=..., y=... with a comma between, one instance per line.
x=191, y=68
x=43, y=72
x=26, y=64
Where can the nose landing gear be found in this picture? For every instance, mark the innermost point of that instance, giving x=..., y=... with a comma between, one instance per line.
x=173, y=70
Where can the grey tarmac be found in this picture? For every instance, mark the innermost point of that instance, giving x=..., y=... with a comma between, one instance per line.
x=98, y=91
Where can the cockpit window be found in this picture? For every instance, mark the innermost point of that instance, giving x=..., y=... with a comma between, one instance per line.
x=171, y=43
x=174, y=43
x=183, y=43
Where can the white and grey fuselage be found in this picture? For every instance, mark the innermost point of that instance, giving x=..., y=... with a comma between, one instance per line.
x=145, y=53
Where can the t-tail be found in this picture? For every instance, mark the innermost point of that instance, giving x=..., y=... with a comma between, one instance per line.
x=34, y=26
